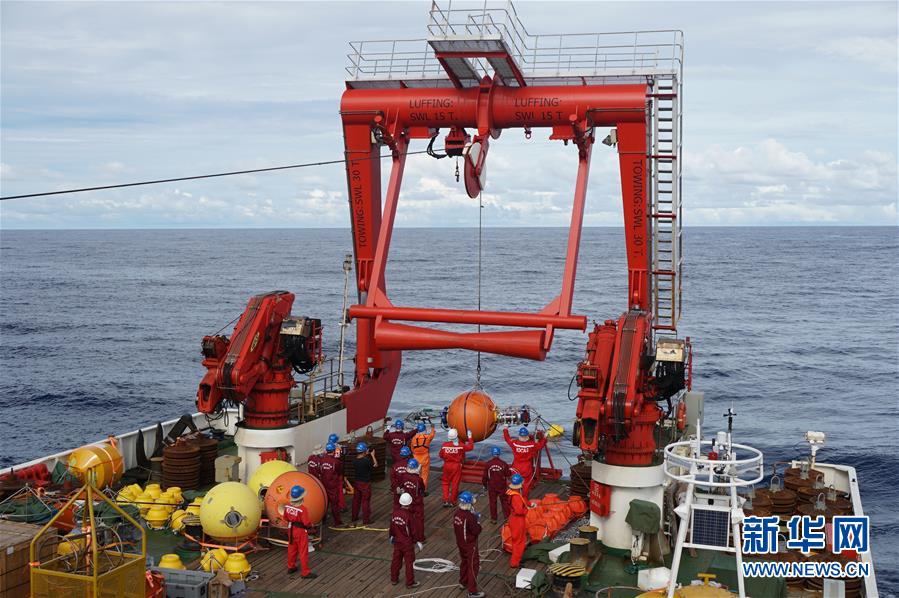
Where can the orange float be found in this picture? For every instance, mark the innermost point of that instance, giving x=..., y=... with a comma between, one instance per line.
x=578, y=506
x=315, y=501
x=473, y=410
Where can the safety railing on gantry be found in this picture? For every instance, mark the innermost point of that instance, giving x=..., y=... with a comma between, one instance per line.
x=546, y=58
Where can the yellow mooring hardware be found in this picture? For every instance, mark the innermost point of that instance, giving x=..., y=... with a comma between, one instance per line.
x=98, y=563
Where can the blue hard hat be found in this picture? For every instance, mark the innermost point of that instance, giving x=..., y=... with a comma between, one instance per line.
x=412, y=464
x=296, y=492
x=516, y=479
x=496, y=451
x=405, y=452
x=361, y=447
x=522, y=431
x=333, y=438
x=465, y=497
x=422, y=427
x=398, y=424
x=330, y=447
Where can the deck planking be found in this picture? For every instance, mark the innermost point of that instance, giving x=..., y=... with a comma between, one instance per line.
x=357, y=563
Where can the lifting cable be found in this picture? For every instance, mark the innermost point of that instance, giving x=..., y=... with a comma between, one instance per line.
x=477, y=382
x=203, y=176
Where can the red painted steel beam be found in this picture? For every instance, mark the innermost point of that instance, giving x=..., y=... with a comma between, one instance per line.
x=509, y=107
x=463, y=316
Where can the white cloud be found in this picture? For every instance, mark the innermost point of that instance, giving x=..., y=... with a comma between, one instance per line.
x=878, y=51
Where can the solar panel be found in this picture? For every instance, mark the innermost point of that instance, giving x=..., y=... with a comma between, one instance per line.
x=710, y=527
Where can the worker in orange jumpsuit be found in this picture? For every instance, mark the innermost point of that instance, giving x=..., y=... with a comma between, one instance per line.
x=397, y=438
x=412, y=484
x=453, y=454
x=517, y=524
x=332, y=479
x=496, y=481
x=400, y=535
x=421, y=450
x=338, y=453
x=298, y=533
x=524, y=453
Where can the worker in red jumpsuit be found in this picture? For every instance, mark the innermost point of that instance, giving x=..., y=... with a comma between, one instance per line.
x=524, y=453
x=332, y=479
x=314, y=463
x=467, y=527
x=517, y=524
x=453, y=454
x=363, y=466
x=338, y=453
x=397, y=438
x=400, y=535
x=397, y=471
x=496, y=481
x=298, y=533
x=412, y=484
x=421, y=450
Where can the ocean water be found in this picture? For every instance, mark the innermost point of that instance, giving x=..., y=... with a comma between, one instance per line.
x=797, y=328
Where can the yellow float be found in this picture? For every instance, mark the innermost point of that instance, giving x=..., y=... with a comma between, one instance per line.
x=157, y=516
x=230, y=511
x=171, y=561
x=176, y=521
x=266, y=474
x=237, y=566
x=214, y=560
x=100, y=465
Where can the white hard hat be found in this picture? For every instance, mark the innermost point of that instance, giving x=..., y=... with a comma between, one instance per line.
x=405, y=499
x=452, y=434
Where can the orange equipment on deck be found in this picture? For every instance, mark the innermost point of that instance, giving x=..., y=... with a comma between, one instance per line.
x=315, y=499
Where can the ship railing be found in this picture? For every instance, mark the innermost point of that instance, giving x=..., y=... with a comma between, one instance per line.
x=490, y=26
x=683, y=463
x=319, y=393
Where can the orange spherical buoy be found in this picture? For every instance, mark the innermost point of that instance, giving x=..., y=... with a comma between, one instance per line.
x=473, y=410
x=315, y=500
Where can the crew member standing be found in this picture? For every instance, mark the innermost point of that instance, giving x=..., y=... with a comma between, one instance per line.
x=517, y=524
x=298, y=533
x=453, y=454
x=397, y=439
x=397, y=471
x=524, y=453
x=314, y=463
x=332, y=479
x=467, y=526
x=421, y=450
x=363, y=465
x=338, y=453
x=412, y=484
x=496, y=480
x=403, y=545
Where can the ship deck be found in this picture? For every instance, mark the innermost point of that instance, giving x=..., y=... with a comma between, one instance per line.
x=357, y=562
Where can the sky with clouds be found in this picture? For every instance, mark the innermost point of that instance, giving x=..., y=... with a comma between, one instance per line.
x=790, y=115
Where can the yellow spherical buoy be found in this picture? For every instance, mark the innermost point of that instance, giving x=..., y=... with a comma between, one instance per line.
x=171, y=561
x=237, y=566
x=214, y=559
x=230, y=511
x=100, y=465
x=266, y=474
x=157, y=516
x=473, y=410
